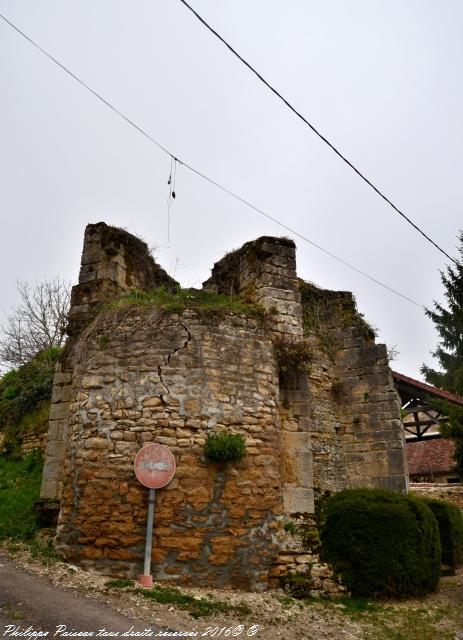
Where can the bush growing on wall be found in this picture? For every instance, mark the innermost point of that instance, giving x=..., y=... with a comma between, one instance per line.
x=450, y=521
x=381, y=543
x=224, y=447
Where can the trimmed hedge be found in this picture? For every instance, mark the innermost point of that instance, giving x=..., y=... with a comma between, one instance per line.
x=450, y=521
x=381, y=543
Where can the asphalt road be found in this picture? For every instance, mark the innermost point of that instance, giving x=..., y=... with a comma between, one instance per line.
x=33, y=601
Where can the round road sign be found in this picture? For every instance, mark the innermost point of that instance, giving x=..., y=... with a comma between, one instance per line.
x=154, y=465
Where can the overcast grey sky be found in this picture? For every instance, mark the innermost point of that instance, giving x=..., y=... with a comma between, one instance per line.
x=381, y=79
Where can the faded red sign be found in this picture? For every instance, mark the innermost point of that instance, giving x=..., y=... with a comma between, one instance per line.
x=154, y=465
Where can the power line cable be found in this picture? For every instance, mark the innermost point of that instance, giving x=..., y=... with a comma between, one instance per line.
x=320, y=135
x=203, y=175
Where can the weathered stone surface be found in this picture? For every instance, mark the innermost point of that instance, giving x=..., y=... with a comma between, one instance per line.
x=150, y=376
x=298, y=500
x=435, y=491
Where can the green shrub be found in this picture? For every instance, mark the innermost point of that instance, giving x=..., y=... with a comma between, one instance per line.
x=25, y=396
x=450, y=521
x=224, y=447
x=381, y=543
x=19, y=490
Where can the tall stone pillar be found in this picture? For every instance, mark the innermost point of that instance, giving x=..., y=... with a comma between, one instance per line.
x=265, y=271
x=113, y=263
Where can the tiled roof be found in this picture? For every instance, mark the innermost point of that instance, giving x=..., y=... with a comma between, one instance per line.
x=434, y=455
x=434, y=391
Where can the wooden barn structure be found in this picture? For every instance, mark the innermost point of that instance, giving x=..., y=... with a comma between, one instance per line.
x=429, y=455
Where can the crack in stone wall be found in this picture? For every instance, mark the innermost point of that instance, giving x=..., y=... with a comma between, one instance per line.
x=140, y=374
x=175, y=352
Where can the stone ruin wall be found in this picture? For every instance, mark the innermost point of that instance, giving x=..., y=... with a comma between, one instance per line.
x=340, y=421
x=138, y=375
x=434, y=491
x=113, y=263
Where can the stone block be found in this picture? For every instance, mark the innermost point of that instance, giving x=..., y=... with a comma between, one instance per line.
x=392, y=482
x=59, y=411
x=97, y=443
x=49, y=490
x=152, y=402
x=396, y=461
x=92, y=382
x=53, y=430
x=297, y=500
x=56, y=394
x=62, y=377
x=56, y=449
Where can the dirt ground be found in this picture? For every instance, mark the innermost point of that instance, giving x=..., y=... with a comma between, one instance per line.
x=268, y=616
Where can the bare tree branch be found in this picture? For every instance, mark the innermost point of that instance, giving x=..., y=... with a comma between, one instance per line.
x=37, y=323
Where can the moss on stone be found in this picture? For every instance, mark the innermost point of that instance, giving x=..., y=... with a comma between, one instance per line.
x=181, y=299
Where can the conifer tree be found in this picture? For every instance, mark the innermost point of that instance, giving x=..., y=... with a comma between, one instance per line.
x=448, y=321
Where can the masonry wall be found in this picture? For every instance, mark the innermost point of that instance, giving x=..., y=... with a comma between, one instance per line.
x=306, y=386
x=265, y=272
x=370, y=423
x=450, y=492
x=150, y=376
x=113, y=263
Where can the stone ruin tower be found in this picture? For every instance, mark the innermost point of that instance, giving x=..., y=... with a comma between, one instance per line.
x=304, y=383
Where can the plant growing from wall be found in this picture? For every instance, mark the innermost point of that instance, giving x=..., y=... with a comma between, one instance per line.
x=317, y=312
x=225, y=447
x=300, y=585
x=314, y=313
x=292, y=353
x=307, y=532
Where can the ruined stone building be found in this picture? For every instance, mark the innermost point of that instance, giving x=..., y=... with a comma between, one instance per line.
x=293, y=368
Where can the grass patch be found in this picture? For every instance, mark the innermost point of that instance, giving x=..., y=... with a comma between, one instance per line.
x=180, y=299
x=358, y=606
x=119, y=584
x=287, y=601
x=20, y=481
x=45, y=553
x=197, y=607
x=11, y=612
x=382, y=621
x=411, y=623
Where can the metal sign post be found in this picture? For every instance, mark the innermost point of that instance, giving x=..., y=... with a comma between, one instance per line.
x=146, y=580
x=154, y=467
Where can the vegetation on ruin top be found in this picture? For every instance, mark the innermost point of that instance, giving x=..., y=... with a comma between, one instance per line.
x=317, y=313
x=178, y=300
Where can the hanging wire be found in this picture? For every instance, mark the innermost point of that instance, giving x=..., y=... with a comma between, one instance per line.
x=206, y=177
x=172, y=193
x=169, y=198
